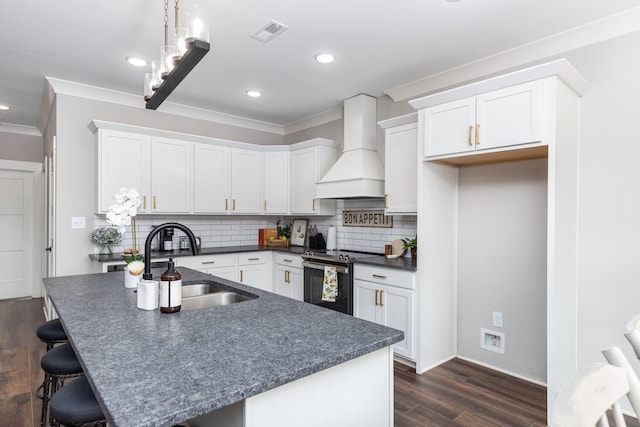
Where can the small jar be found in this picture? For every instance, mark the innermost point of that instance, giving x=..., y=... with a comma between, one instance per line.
x=184, y=243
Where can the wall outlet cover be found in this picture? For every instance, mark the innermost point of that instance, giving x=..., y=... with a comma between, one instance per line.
x=497, y=319
x=78, y=222
x=492, y=340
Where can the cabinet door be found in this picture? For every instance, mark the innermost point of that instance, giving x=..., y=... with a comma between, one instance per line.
x=397, y=312
x=510, y=116
x=401, y=169
x=171, y=175
x=123, y=162
x=304, y=172
x=256, y=276
x=228, y=273
x=276, y=183
x=296, y=279
x=281, y=285
x=450, y=128
x=365, y=296
x=211, y=177
x=246, y=177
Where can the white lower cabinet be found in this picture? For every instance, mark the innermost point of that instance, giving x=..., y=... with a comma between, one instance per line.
x=254, y=269
x=288, y=276
x=386, y=296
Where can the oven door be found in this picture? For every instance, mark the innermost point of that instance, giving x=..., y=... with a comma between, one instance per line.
x=313, y=282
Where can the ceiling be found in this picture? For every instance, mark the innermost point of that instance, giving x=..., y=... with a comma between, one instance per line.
x=378, y=45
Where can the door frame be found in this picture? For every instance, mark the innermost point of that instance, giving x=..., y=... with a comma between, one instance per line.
x=38, y=249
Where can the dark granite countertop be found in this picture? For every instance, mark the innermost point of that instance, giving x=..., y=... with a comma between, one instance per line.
x=153, y=369
x=403, y=263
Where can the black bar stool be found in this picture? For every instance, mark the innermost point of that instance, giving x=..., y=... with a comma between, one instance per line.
x=52, y=333
x=58, y=364
x=76, y=405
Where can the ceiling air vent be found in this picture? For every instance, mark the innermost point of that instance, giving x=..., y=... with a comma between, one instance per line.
x=269, y=31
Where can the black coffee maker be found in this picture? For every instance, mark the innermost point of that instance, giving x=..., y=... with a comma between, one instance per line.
x=166, y=239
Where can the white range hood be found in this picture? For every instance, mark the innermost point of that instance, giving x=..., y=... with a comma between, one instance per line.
x=358, y=172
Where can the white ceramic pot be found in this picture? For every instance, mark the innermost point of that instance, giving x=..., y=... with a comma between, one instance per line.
x=131, y=280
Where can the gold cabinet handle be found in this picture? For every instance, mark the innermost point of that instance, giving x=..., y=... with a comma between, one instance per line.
x=287, y=260
x=385, y=201
x=477, y=133
x=470, y=134
x=377, y=293
x=265, y=205
x=234, y=204
x=381, y=303
x=226, y=204
x=241, y=275
x=313, y=205
x=144, y=202
x=287, y=276
x=253, y=259
x=378, y=276
x=154, y=202
x=208, y=262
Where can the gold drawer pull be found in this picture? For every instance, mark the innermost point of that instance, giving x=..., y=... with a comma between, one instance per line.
x=477, y=133
x=287, y=260
x=154, y=202
x=208, y=262
x=381, y=303
x=241, y=275
x=377, y=293
x=234, y=204
x=313, y=205
x=385, y=201
x=253, y=259
x=265, y=205
x=144, y=202
x=378, y=276
x=226, y=204
x=470, y=133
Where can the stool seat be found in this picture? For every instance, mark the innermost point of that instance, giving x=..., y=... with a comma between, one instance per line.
x=61, y=360
x=51, y=331
x=76, y=404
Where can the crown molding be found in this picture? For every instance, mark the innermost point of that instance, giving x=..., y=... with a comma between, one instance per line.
x=597, y=31
x=316, y=120
x=82, y=90
x=19, y=129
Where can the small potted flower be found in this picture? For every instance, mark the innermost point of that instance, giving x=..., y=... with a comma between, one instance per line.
x=412, y=245
x=120, y=215
x=106, y=237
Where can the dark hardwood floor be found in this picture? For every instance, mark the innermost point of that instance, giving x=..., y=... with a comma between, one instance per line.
x=457, y=393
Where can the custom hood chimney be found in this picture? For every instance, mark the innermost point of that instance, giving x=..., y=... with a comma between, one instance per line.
x=358, y=172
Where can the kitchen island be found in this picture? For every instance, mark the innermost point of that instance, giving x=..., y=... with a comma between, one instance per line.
x=266, y=361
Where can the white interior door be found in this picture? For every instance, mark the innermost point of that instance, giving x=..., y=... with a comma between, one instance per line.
x=17, y=231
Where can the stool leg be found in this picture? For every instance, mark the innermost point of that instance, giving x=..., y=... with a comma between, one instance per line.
x=46, y=385
x=56, y=385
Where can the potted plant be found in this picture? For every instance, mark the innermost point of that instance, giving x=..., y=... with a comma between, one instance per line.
x=411, y=244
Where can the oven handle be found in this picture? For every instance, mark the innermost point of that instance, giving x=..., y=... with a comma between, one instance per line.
x=315, y=266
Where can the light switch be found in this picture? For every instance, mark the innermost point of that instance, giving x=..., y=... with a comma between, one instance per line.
x=78, y=222
x=498, y=320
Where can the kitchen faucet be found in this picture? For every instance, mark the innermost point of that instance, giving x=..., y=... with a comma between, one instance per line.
x=147, y=244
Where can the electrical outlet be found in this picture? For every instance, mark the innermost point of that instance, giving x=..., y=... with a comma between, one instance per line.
x=497, y=319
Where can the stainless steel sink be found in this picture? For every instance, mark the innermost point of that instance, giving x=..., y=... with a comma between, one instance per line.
x=196, y=296
x=196, y=289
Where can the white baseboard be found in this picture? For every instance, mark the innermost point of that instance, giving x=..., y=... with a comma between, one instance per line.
x=504, y=371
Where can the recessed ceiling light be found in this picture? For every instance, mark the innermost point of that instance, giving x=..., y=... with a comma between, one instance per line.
x=136, y=62
x=4, y=107
x=324, y=58
x=253, y=93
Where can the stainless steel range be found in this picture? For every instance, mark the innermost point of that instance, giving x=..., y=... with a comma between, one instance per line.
x=316, y=266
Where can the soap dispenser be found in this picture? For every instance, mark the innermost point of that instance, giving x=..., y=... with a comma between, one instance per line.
x=170, y=290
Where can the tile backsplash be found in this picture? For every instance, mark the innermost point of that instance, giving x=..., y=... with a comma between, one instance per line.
x=217, y=231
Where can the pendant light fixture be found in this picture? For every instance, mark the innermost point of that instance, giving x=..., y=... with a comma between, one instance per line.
x=177, y=57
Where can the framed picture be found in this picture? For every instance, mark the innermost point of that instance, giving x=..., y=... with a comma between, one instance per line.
x=298, y=232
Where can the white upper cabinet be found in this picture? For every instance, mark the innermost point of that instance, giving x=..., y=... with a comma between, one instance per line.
x=401, y=165
x=308, y=166
x=276, y=183
x=501, y=118
x=171, y=175
x=246, y=178
x=211, y=179
x=123, y=162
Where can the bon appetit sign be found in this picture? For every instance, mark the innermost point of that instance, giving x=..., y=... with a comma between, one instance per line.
x=366, y=219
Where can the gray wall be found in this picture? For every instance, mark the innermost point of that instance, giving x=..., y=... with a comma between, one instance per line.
x=25, y=148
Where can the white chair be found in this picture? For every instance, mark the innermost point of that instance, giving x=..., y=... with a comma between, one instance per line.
x=615, y=357
x=585, y=399
x=633, y=334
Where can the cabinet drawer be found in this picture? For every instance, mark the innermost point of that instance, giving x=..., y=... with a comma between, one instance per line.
x=385, y=276
x=207, y=261
x=288, y=260
x=252, y=258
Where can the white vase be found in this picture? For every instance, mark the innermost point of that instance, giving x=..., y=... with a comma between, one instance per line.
x=131, y=280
